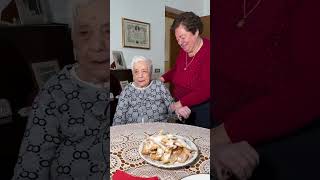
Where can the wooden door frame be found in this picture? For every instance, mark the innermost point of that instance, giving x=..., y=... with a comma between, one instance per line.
x=172, y=13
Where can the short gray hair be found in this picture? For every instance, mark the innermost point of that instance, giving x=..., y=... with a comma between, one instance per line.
x=136, y=59
x=75, y=6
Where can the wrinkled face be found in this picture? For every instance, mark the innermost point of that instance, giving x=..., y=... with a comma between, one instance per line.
x=186, y=39
x=91, y=40
x=141, y=74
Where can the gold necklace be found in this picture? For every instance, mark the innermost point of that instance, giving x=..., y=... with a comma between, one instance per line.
x=242, y=21
x=187, y=64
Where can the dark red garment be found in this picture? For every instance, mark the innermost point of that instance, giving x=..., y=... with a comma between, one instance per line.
x=121, y=175
x=191, y=86
x=266, y=80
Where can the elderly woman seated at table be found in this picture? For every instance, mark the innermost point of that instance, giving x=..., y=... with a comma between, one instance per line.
x=145, y=100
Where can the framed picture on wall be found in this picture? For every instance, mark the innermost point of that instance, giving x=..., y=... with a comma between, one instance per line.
x=43, y=71
x=123, y=84
x=119, y=60
x=33, y=11
x=135, y=34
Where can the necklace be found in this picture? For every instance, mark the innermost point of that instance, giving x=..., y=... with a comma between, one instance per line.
x=242, y=21
x=187, y=64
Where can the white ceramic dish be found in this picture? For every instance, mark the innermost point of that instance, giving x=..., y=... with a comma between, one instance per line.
x=176, y=164
x=197, y=177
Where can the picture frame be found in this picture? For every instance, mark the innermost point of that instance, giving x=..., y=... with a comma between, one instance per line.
x=123, y=84
x=118, y=59
x=44, y=70
x=33, y=11
x=135, y=34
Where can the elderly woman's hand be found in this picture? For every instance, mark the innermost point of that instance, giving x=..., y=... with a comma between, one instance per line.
x=237, y=159
x=184, y=111
x=175, y=106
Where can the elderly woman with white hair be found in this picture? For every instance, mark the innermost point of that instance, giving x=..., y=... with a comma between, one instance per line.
x=69, y=117
x=144, y=100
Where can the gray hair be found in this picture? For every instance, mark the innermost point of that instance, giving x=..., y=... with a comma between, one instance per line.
x=136, y=59
x=75, y=6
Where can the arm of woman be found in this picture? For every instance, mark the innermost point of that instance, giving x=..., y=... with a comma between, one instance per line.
x=167, y=98
x=296, y=103
x=40, y=141
x=184, y=111
x=237, y=159
x=122, y=108
x=168, y=76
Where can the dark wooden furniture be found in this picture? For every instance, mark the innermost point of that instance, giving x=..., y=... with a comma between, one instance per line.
x=115, y=88
x=122, y=74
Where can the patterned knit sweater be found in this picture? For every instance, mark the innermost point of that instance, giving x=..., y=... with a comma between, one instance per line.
x=65, y=130
x=149, y=104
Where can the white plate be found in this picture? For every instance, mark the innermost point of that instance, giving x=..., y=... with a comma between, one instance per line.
x=176, y=164
x=197, y=177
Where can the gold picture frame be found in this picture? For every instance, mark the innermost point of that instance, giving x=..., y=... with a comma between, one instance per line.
x=135, y=34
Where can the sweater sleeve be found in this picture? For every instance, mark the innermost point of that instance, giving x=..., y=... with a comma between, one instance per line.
x=168, y=76
x=201, y=92
x=122, y=109
x=296, y=103
x=168, y=100
x=40, y=140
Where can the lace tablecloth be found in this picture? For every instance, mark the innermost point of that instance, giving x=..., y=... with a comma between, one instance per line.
x=125, y=140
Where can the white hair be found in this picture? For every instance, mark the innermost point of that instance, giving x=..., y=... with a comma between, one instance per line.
x=75, y=6
x=136, y=59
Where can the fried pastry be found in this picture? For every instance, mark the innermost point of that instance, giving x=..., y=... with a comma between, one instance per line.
x=167, y=148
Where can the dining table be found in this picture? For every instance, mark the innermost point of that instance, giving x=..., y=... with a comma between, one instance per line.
x=125, y=141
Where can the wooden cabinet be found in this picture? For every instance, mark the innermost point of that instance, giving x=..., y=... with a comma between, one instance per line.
x=115, y=88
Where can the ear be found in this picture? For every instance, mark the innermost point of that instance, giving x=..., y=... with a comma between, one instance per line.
x=196, y=33
x=74, y=43
x=74, y=39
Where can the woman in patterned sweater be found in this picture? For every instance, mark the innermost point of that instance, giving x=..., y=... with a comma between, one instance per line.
x=145, y=100
x=66, y=127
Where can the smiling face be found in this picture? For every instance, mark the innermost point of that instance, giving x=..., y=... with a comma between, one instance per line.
x=141, y=74
x=186, y=40
x=91, y=41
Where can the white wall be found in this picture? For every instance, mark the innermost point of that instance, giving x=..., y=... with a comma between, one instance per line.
x=61, y=11
x=199, y=7
x=150, y=11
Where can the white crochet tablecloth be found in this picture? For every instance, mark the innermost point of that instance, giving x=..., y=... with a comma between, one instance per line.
x=125, y=140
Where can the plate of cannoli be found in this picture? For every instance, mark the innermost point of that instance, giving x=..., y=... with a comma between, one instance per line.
x=168, y=150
